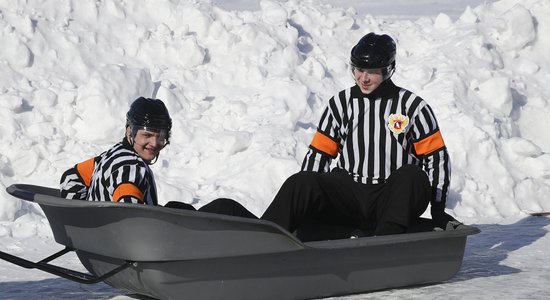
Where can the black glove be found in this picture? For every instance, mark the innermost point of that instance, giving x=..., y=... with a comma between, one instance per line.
x=443, y=220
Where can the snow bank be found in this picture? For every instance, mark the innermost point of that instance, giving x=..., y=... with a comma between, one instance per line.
x=246, y=89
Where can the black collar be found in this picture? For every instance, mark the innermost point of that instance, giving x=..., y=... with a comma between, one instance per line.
x=127, y=145
x=386, y=90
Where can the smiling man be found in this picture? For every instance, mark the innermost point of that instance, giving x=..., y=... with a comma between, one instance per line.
x=391, y=158
x=122, y=173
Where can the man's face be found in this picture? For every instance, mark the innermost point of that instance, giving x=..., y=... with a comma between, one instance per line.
x=368, y=79
x=148, y=142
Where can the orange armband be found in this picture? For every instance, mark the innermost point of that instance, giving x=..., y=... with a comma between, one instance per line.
x=429, y=144
x=127, y=189
x=325, y=144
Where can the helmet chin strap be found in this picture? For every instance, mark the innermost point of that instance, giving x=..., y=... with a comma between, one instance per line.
x=390, y=74
x=154, y=160
x=392, y=70
x=157, y=156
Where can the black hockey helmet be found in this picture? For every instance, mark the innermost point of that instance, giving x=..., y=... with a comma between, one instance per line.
x=375, y=51
x=149, y=113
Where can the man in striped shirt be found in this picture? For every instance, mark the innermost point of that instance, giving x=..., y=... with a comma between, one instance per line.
x=122, y=173
x=391, y=157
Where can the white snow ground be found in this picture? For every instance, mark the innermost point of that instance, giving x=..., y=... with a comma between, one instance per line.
x=246, y=82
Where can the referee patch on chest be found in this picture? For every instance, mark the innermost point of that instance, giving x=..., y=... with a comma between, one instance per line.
x=398, y=123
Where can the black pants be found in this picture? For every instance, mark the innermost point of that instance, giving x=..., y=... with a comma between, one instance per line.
x=222, y=206
x=385, y=208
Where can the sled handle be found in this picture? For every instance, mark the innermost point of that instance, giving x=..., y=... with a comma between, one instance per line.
x=28, y=191
x=60, y=271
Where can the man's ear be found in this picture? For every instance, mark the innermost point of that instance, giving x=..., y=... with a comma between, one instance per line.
x=129, y=134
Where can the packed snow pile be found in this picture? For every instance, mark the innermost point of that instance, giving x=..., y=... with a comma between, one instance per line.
x=246, y=88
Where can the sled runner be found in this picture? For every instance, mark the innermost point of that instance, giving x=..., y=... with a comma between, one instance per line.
x=169, y=253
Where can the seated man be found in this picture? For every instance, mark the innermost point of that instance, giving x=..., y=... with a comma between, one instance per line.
x=392, y=160
x=122, y=173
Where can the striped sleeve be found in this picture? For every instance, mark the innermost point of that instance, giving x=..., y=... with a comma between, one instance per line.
x=72, y=186
x=428, y=145
x=75, y=181
x=128, y=183
x=325, y=145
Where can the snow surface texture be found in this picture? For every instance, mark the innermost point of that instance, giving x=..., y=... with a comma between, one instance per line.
x=246, y=88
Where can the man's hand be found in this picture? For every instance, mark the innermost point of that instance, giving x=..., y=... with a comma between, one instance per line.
x=443, y=220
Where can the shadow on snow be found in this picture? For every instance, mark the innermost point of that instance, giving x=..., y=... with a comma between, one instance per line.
x=485, y=251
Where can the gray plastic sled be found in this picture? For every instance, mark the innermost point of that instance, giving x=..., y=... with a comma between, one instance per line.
x=170, y=253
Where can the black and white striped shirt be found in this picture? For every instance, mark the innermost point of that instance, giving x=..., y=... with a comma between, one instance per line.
x=373, y=135
x=118, y=174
